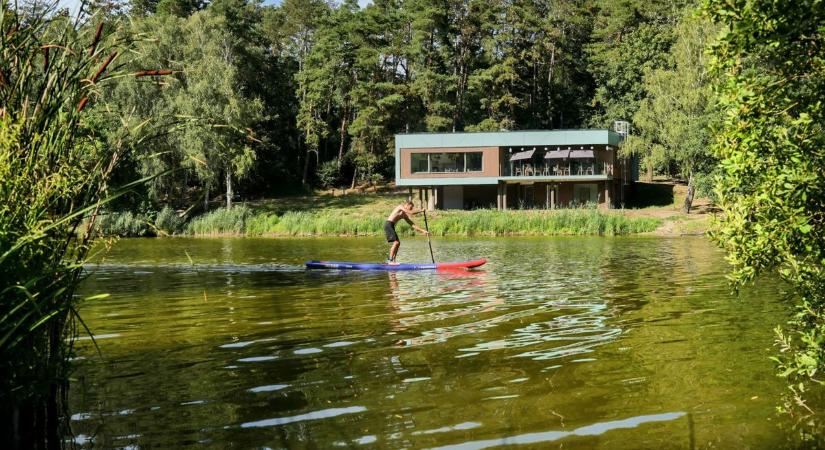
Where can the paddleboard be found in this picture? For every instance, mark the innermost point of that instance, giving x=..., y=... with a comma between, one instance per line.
x=346, y=265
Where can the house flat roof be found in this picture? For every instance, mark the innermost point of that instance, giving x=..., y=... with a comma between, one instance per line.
x=508, y=138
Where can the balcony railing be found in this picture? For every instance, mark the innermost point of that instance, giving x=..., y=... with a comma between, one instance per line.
x=560, y=169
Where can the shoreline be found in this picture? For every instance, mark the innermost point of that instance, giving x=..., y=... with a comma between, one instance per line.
x=668, y=228
x=325, y=215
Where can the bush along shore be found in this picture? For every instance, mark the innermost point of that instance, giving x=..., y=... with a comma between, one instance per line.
x=245, y=221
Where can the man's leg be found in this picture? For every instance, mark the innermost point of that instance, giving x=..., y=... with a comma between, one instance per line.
x=394, y=250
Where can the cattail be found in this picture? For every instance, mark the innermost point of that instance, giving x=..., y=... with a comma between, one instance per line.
x=96, y=39
x=151, y=73
x=103, y=66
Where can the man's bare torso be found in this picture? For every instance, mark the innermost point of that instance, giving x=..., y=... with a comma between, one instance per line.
x=397, y=214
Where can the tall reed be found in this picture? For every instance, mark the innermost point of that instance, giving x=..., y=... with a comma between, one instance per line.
x=52, y=177
x=584, y=221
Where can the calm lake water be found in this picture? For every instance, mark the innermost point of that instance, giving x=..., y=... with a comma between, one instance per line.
x=559, y=342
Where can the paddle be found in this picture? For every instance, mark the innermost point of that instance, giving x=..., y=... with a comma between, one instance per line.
x=427, y=227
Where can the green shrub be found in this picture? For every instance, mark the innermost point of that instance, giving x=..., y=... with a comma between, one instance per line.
x=124, y=224
x=221, y=221
x=329, y=173
x=261, y=224
x=168, y=221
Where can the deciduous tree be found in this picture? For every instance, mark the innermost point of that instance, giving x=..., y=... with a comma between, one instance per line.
x=672, y=126
x=771, y=60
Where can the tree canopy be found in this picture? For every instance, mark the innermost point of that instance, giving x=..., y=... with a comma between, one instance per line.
x=316, y=84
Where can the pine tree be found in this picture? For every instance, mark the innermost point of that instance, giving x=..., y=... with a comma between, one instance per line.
x=631, y=37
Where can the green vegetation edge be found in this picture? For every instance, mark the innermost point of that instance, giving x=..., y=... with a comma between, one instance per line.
x=247, y=221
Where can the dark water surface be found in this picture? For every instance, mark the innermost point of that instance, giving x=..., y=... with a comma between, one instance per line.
x=558, y=343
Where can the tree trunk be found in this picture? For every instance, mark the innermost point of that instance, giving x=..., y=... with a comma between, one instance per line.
x=649, y=175
x=228, y=188
x=689, y=197
x=206, y=200
x=342, y=136
x=354, y=177
x=306, y=168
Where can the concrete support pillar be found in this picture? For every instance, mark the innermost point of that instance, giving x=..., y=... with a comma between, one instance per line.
x=607, y=186
x=504, y=198
x=547, y=188
x=499, y=195
x=553, y=199
x=428, y=198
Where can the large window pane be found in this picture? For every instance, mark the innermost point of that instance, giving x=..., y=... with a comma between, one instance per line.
x=446, y=162
x=473, y=162
x=419, y=162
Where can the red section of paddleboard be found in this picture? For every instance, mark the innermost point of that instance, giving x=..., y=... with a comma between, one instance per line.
x=461, y=265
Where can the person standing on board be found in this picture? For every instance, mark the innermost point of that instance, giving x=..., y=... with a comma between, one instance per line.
x=402, y=211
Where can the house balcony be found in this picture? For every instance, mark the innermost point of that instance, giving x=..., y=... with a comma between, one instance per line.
x=557, y=171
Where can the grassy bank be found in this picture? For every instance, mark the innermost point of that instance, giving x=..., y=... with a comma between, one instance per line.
x=244, y=220
x=363, y=214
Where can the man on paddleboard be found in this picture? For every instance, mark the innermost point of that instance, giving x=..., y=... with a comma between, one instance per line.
x=402, y=211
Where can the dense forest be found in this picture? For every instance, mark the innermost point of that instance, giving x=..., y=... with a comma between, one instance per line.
x=266, y=100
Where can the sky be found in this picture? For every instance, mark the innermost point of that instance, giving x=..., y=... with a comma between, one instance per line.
x=74, y=4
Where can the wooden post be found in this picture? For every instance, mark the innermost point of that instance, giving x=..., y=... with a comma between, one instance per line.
x=553, y=198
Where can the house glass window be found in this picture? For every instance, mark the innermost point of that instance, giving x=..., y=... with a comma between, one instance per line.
x=472, y=162
x=452, y=162
x=585, y=193
x=420, y=163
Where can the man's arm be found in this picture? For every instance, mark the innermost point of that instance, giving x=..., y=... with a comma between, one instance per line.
x=413, y=225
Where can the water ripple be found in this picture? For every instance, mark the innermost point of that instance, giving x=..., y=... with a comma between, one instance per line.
x=549, y=436
x=314, y=415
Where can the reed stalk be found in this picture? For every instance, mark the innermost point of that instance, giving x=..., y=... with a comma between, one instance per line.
x=53, y=180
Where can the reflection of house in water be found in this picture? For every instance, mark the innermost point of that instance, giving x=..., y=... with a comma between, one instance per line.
x=445, y=296
x=537, y=169
x=537, y=323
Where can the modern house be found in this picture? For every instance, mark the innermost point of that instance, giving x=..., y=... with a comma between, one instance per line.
x=514, y=169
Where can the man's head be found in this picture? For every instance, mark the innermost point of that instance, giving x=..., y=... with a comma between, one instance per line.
x=408, y=204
